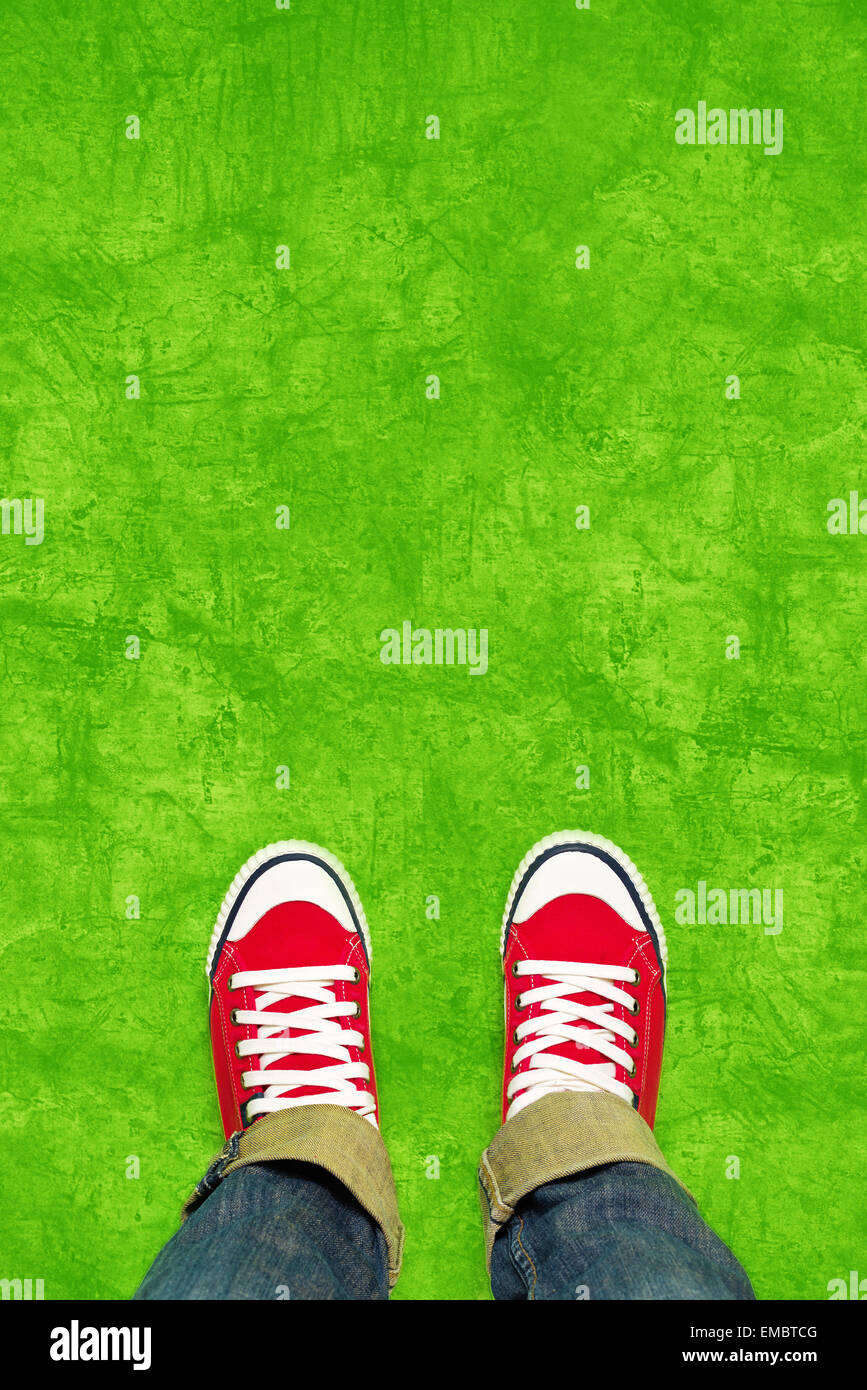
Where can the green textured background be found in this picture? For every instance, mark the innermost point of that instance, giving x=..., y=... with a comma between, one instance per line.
x=260, y=647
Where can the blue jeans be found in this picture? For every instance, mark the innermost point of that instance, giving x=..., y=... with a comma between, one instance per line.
x=291, y=1230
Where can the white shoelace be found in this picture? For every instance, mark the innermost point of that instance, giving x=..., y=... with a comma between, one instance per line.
x=558, y=1022
x=323, y=1036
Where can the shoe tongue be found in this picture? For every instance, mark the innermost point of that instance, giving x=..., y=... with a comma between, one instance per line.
x=297, y=1061
x=550, y=934
x=296, y=935
x=586, y=1055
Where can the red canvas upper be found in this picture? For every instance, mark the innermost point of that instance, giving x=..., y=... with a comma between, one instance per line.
x=576, y=927
x=288, y=935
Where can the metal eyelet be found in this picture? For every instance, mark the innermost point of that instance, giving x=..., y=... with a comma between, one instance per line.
x=515, y=968
x=634, y=1069
x=520, y=1005
x=636, y=1010
x=234, y=1015
x=634, y=1042
x=356, y=979
x=637, y=980
x=515, y=1038
x=237, y=1053
x=230, y=984
x=357, y=1013
x=514, y=1066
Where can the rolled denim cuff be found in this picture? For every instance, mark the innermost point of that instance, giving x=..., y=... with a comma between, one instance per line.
x=560, y=1134
x=338, y=1140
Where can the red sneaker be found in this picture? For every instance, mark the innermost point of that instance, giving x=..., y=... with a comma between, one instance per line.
x=584, y=958
x=289, y=967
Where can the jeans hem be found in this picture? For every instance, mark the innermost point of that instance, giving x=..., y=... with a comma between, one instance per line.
x=330, y=1137
x=557, y=1136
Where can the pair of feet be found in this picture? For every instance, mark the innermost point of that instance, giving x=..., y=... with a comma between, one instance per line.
x=289, y=965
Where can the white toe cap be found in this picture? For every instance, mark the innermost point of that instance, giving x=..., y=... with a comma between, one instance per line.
x=291, y=881
x=575, y=871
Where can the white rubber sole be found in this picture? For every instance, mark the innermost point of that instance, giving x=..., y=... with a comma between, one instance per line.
x=584, y=837
x=272, y=852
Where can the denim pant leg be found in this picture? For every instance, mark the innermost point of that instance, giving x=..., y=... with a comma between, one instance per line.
x=280, y=1230
x=622, y=1231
